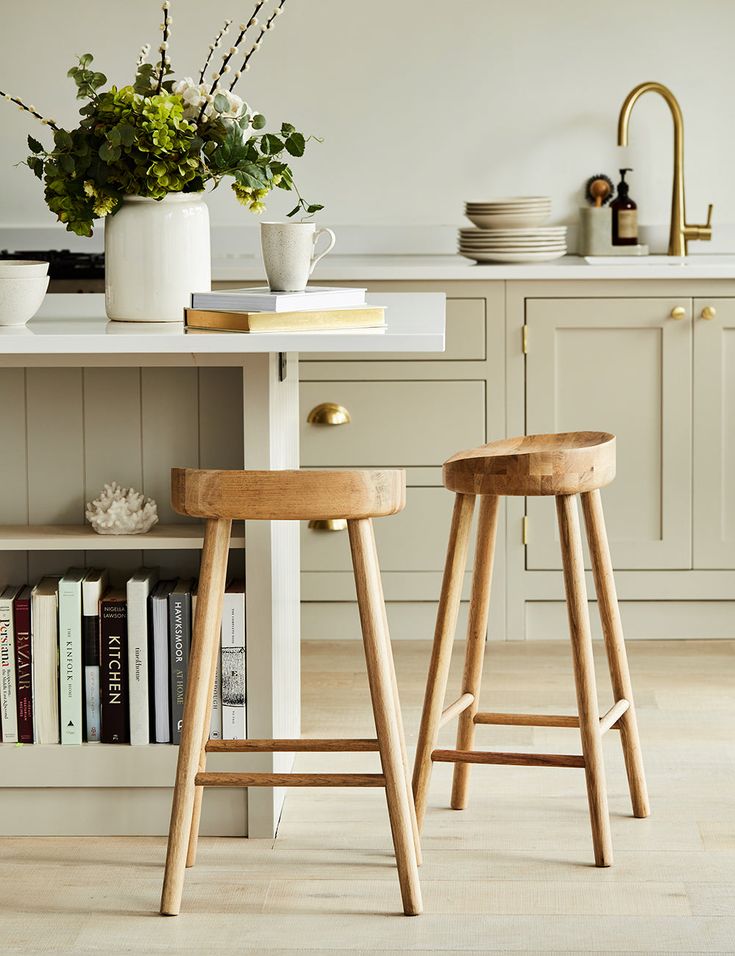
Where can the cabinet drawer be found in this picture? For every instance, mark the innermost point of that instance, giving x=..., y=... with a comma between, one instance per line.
x=465, y=339
x=393, y=424
x=414, y=540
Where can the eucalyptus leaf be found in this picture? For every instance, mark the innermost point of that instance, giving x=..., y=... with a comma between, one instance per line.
x=221, y=103
x=259, y=121
x=108, y=153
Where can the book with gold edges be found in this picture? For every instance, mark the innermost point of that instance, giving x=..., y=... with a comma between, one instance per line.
x=317, y=320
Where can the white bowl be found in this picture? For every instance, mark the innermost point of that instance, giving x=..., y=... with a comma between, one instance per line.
x=21, y=298
x=521, y=220
x=23, y=268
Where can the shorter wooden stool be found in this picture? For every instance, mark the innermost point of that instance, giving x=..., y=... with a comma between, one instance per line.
x=561, y=466
x=219, y=497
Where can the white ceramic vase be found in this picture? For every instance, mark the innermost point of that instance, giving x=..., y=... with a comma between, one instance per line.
x=156, y=254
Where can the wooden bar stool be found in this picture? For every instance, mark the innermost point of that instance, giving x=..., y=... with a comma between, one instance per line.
x=219, y=497
x=565, y=465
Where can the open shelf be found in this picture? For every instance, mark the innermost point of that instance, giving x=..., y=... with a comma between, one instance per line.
x=170, y=537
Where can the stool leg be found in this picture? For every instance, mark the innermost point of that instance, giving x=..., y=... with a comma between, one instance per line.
x=617, y=658
x=198, y=695
x=487, y=525
x=441, y=652
x=377, y=652
x=584, y=675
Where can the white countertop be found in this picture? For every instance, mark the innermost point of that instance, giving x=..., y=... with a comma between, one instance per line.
x=376, y=267
x=77, y=325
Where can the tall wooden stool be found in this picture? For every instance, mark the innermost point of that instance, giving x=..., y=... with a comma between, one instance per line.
x=219, y=497
x=566, y=465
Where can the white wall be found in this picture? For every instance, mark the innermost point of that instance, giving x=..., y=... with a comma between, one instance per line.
x=422, y=104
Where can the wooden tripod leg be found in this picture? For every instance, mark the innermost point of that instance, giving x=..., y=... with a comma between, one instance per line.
x=441, y=652
x=584, y=675
x=487, y=526
x=612, y=629
x=369, y=600
x=198, y=696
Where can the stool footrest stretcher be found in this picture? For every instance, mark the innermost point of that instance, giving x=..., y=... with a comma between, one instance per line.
x=516, y=759
x=222, y=779
x=295, y=745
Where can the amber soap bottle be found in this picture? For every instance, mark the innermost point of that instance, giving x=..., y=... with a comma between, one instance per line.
x=624, y=215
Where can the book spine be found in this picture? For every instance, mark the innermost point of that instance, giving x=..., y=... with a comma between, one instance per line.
x=113, y=673
x=8, y=705
x=215, y=725
x=179, y=638
x=70, y=661
x=162, y=717
x=23, y=669
x=91, y=637
x=138, y=663
x=233, y=667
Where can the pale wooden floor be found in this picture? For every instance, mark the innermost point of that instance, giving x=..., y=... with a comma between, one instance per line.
x=510, y=874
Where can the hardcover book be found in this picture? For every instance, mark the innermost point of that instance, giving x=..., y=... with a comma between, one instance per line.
x=113, y=668
x=299, y=321
x=159, y=626
x=234, y=671
x=138, y=589
x=93, y=587
x=45, y=660
x=215, y=724
x=261, y=299
x=23, y=665
x=179, y=629
x=8, y=702
x=70, y=655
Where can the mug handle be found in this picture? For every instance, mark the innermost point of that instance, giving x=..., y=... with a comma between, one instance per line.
x=332, y=240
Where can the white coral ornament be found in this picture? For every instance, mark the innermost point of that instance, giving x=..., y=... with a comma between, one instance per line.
x=121, y=510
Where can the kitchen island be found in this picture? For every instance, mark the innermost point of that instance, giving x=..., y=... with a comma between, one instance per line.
x=87, y=401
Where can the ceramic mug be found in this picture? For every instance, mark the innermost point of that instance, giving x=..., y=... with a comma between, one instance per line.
x=289, y=253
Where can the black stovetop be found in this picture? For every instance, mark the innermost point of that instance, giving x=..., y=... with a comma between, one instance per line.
x=64, y=264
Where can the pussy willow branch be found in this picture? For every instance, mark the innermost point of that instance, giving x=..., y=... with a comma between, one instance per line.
x=268, y=25
x=213, y=47
x=164, y=44
x=28, y=109
x=143, y=55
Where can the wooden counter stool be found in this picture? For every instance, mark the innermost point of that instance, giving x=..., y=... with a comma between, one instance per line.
x=563, y=466
x=219, y=497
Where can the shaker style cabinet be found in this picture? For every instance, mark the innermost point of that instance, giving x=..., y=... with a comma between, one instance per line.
x=714, y=433
x=623, y=366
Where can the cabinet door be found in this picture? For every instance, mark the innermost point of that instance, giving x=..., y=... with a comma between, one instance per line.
x=714, y=434
x=622, y=366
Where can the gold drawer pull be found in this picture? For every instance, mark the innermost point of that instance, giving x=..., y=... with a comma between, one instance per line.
x=709, y=312
x=328, y=524
x=678, y=312
x=329, y=413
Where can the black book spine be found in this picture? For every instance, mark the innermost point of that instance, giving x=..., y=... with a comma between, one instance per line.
x=179, y=629
x=114, y=671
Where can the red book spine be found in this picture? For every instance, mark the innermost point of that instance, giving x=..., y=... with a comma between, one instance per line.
x=23, y=672
x=114, y=670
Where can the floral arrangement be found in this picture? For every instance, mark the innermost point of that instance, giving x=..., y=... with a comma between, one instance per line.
x=160, y=136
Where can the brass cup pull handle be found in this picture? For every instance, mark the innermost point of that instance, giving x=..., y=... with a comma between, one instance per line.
x=709, y=312
x=329, y=413
x=328, y=524
x=678, y=312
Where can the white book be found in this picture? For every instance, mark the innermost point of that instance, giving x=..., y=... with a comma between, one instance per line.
x=139, y=587
x=159, y=626
x=261, y=299
x=45, y=660
x=93, y=587
x=215, y=724
x=233, y=662
x=70, y=655
x=8, y=701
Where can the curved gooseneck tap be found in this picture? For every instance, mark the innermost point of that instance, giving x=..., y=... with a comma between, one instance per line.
x=679, y=232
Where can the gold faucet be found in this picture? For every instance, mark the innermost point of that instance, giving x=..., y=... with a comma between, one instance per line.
x=679, y=232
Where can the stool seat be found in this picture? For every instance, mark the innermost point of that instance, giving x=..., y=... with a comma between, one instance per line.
x=568, y=463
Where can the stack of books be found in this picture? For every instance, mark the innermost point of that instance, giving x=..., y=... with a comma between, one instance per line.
x=317, y=308
x=83, y=662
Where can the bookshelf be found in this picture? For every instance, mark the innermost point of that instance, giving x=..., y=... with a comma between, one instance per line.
x=87, y=402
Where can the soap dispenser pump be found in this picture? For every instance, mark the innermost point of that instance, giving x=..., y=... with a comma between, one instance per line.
x=624, y=215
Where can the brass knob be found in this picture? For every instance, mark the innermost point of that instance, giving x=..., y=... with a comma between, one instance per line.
x=329, y=413
x=678, y=312
x=328, y=524
x=709, y=312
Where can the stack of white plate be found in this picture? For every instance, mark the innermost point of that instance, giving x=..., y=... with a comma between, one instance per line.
x=512, y=230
